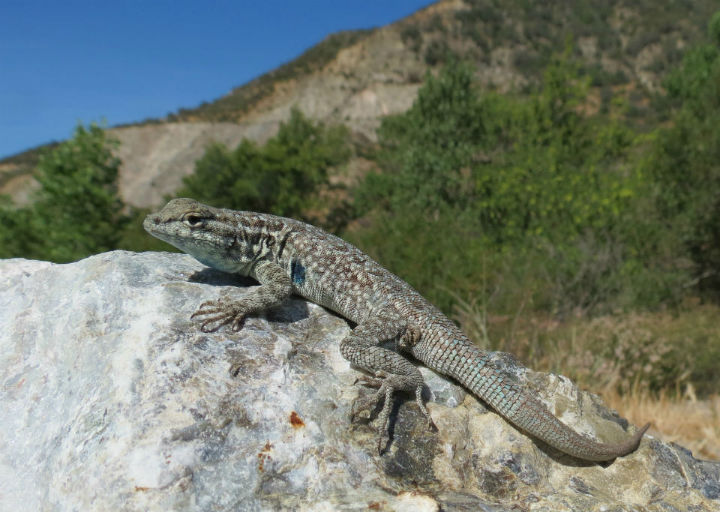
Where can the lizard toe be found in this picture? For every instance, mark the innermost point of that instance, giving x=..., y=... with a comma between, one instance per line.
x=423, y=409
x=209, y=307
x=365, y=403
x=214, y=323
x=237, y=323
x=382, y=441
x=371, y=382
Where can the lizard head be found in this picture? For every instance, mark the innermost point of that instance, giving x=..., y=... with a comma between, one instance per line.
x=199, y=230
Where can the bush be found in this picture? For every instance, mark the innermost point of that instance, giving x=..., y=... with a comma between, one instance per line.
x=17, y=239
x=437, y=52
x=423, y=151
x=281, y=177
x=76, y=211
x=412, y=37
x=684, y=163
x=538, y=192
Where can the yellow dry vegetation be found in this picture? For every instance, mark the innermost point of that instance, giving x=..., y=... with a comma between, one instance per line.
x=659, y=367
x=686, y=420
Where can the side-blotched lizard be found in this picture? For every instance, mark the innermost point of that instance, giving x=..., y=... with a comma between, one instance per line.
x=287, y=256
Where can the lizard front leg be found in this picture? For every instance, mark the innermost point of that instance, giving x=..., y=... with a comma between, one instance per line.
x=392, y=371
x=275, y=287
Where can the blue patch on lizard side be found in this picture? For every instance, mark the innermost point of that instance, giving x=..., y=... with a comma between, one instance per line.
x=297, y=272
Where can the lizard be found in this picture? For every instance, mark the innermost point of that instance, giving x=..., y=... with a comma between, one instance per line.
x=287, y=256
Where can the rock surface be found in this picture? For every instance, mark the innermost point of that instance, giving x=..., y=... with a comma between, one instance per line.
x=155, y=158
x=112, y=399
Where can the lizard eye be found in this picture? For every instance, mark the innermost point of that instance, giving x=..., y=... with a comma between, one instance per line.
x=193, y=220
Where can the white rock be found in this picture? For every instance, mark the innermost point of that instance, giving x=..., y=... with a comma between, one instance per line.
x=112, y=399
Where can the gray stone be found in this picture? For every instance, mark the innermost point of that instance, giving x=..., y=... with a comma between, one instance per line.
x=112, y=399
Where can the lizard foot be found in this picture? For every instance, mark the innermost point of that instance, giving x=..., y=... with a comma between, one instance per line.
x=371, y=402
x=387, y=384
x=375, y=382
x=216, y=313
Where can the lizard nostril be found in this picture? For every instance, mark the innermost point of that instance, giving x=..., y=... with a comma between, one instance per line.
x=152, y=220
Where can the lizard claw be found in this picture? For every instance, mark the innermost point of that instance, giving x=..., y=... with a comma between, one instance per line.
x=382, y=441
x=213, y=324
x=237, y=323
x=423, y=409
x=371, y=382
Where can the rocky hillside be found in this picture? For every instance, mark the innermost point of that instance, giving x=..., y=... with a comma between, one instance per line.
x=357, y=77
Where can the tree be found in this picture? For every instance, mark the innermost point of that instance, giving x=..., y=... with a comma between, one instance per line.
x=425, y=150
x=16, y=237
x=554, y=174
x=527, y=181
x=226, y=177
x=281, y=177
x=684, y=161
x=76, y=211
x=525, y=165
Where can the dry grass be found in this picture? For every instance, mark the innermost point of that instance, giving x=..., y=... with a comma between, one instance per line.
x=692, y=423
x=647, y=366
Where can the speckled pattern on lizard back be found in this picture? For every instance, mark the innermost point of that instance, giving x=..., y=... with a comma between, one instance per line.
x=287, y=256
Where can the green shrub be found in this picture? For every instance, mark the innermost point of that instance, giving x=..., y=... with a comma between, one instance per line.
x=281, y=177
x=412, y=37
x=76, y=211
x=684, y=163
x=437, y=52
x=543, y=195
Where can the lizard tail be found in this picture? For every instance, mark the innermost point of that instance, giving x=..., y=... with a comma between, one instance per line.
x=511, y=401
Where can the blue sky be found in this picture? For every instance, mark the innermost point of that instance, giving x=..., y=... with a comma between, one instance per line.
x=121, y=61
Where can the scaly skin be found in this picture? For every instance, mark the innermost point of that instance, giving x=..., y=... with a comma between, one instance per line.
x=287, y=256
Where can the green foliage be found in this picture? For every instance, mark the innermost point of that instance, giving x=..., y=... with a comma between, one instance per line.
x=437, y=52
x=684, y=160
x=425, y=149
x=556, y=177
x=281, y=177
x=530, y=186
x=526, y=166
x=16, y=238
x=714, y=29
x=76, y=211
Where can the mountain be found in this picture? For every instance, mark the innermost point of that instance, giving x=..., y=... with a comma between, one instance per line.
x=357, y=77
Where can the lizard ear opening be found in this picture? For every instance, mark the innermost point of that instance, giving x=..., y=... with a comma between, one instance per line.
x=192, y=220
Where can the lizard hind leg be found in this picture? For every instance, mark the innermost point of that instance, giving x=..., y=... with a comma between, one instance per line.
x=392, y=372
